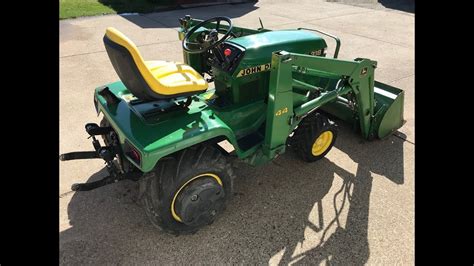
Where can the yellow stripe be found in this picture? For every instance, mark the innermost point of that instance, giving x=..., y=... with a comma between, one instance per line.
x=175, y=216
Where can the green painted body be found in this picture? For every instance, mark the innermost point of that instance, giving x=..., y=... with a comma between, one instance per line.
x=257, y=112
x=258, y=52
x=155, y=140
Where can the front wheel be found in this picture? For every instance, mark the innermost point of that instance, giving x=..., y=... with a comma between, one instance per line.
x=187, y=190
x=314, y=137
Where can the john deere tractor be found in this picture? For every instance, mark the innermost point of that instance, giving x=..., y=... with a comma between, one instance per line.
x=166, y=127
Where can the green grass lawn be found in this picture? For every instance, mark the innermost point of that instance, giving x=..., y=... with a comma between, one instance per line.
x=79, y=8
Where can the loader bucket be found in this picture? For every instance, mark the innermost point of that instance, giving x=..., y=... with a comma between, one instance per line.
x=388, y=109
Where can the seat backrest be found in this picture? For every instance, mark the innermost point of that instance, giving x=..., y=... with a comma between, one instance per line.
x=130, y=66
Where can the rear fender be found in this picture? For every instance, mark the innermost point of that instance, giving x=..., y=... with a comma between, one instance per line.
x=212, y=136
x=171, y=134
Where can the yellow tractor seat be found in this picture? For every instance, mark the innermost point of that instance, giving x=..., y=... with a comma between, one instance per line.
x=150, y=80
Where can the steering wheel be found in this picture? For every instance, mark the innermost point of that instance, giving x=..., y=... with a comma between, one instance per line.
x=209, y=39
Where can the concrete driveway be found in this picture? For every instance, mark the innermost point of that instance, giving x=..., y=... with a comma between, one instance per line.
x=356, y=206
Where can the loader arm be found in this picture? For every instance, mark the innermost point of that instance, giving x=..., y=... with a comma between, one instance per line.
x=354, y=77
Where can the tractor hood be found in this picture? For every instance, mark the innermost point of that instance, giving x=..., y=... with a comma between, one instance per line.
x=246, y=77
x=259, y=47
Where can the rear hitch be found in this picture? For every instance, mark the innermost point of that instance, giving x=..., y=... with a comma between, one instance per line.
x=107, y=153
x=93, y=130
x=105, y=181
x=77, y=155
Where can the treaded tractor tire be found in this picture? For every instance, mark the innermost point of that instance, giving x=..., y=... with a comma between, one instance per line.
x=316, y=127
x=187, y=180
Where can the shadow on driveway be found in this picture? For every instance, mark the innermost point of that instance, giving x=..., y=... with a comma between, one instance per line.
x=269, y=213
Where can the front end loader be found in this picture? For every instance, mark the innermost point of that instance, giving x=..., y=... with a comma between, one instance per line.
x=166, y=127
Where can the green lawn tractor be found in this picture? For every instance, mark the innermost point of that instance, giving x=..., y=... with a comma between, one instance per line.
x=167, y=128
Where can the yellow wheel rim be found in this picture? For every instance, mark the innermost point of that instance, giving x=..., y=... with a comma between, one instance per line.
x=322, y=143
x=173, y=212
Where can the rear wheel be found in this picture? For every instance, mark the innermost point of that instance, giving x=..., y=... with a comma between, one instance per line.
x=314, y=137
x=187, y=190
